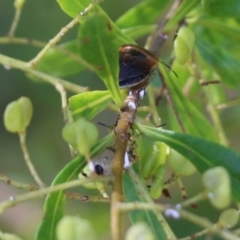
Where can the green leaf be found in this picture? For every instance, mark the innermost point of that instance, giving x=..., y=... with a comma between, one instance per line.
x=99, y=43
x=221, y=60
x=146, y=12
x=191, y=117
x=89, y=104
x=232, y=33
x=138, y=31
x=55, y=202
x=131, y=195
x=202, y=153
x=73, y=8
x=185, y=7
x=62, y=61
x=222, y=8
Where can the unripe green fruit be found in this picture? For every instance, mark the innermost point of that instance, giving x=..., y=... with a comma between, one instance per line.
x=18, y=114
x=158, y=183
x=27, y=110
x=87, y=135
x=69, y=134
x=19, y=3
x=218, y=186
x=74, y=228
x=179, y=164
x=156, y=156
x=81, y=135
x=183, y=45
x=139, y=231
x=229, y=218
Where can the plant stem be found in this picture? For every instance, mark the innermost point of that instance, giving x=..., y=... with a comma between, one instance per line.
x=124, y=123
x=15, y=22
x=28, y=161
x=61, y=33
x=200, y=221
x=9, y=63
x=193, y=200
x=41, y=192
x=24, y=41
x=20, y=185
x=70, y=195
x=148, y=199
x=195, y=235
x=216, y=121
x=153, y=105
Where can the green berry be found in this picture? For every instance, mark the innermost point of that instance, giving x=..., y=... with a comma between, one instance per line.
x=139, y=231
x=81, y=135
x=229, y=218
x=218, y=186
x=183, y=45
x=156, y=156
x=179, y=164
x=74, y=228
x=18, y=114
x=19, y=3
x=27, y=110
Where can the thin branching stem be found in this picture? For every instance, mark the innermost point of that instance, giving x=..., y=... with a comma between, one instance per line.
x=37, y=43
x=44, y=191
x=152, y=104
x=63, y=95
x=20, y=185
x=22, y=138
x=143, y=192
x=180, y=213
x=195, y=235
x=15, y=22
x=59, y=36
x=70, y=195
x=9, y=63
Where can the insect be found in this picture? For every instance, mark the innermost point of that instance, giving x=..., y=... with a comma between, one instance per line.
x=136, y=67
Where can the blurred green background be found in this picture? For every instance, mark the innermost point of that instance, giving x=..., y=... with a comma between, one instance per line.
x=42, y=20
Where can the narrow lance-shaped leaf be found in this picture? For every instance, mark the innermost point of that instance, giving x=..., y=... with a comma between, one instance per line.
x=131, y=195
x=99, y=43
x=55, y=202
x=202, y=153
x=225, y=64
x=222, y=8
x=62, y=61
x=89, y=104
x=192, y=118
x=145, y=12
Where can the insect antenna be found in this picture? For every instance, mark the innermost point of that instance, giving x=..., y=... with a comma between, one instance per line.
x=169, y=68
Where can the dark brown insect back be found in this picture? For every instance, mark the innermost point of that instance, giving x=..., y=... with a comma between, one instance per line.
x=136, y=67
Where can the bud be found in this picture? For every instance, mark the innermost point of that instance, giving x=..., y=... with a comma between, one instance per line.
x=179, y=164
x=218, y=186
x=229, y=218
x=183, y=44
x=19, y=3
x=156, y=156
x=81, y=135
x=158, y=183
x=18, y=114
x=74, y=228
x=139, y=231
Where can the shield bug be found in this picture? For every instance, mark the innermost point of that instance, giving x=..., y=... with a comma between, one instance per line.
x=136, y=67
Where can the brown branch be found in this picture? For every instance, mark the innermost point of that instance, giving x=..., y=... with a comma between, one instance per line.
x=124, y=123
